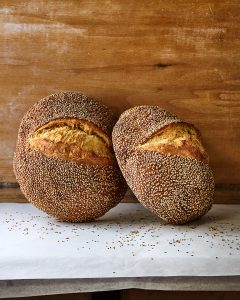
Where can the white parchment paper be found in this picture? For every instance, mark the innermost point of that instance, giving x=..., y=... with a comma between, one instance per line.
x=128, y=241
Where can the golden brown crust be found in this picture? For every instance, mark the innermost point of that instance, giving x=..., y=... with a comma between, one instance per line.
x=136, y=125
x=72, y=139
x=179, y=138
x=178, y=187
x=86, y=126
x=68, y=190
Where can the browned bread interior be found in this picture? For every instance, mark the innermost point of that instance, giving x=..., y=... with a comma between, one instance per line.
x=180, y=138
x=73, y=139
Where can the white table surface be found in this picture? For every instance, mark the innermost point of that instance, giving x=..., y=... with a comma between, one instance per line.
x=127, y=243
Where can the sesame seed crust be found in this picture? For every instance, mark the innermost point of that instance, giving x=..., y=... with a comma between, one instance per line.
x=67, y=105
x=176, y=188
x=69, y=191
x=136, y=125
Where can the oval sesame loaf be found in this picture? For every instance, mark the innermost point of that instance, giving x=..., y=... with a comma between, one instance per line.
x=64, y=160
x=164, y=163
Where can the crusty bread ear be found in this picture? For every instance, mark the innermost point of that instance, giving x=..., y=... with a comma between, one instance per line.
x=64, y=161
x=180, y=138
x=164, y=162
x=73, y=139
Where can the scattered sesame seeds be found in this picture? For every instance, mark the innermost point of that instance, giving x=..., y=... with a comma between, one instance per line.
x=135, y=229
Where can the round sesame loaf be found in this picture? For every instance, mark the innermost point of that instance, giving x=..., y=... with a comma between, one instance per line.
x=64, y=161
x=164, y=163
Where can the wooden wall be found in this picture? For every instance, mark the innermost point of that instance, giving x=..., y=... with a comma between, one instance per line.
x=136, y=294
x=79, y=296
x=181, y=55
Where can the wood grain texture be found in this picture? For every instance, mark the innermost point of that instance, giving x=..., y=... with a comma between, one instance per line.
x=183, y=56
x=186, y=295
x=79, y=296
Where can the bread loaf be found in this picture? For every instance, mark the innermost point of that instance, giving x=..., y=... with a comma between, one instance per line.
x=64, y=160
x=165, y=163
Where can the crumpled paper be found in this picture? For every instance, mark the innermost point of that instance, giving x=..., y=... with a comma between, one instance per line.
x=128, y=241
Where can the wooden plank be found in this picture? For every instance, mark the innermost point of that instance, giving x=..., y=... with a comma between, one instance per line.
x=79, y=296
x=183, y=56
x=223, y=195
x=135, y=294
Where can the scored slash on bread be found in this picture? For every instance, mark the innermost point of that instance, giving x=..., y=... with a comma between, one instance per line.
x=177, y=139
x=72, y=139
x=164, y=163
